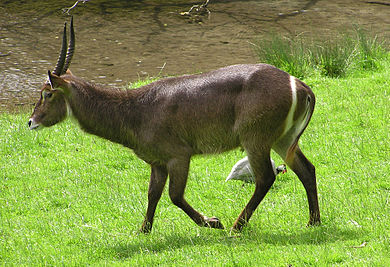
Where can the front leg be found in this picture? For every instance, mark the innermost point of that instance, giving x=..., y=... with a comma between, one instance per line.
x=178, y=174
x=157, y=182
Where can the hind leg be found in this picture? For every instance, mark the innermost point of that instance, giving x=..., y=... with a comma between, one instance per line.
x=264, y=178
x=305, y=171
x=157, y=182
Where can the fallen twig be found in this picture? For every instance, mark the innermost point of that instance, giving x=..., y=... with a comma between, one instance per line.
x=378, y=3
x=161, y=69
x=66, y=10
x=197, y=10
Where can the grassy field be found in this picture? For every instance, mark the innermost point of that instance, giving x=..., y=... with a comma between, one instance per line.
x=68, y=198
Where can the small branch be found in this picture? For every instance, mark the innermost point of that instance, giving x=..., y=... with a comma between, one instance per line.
x=161, y=69
x=378, y=3
x=200, y=8
x=67, y=10
x=197, y=10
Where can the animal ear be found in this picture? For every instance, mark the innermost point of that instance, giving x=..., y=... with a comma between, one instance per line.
x=57, y=81
x=69, y=72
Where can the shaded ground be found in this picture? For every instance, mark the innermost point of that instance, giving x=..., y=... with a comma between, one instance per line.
x=121, y=41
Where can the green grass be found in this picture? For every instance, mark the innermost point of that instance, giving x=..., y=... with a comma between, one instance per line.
x=337, y=57
x=289, y=54
x=69, y=198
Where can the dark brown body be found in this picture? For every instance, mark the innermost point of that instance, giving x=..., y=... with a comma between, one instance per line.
x=180, y=117
x=168, y=121
x=256, y=107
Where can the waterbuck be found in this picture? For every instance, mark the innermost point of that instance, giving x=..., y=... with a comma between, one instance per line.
x=256, y=107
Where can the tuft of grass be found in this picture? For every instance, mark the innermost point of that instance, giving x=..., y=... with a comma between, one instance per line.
x=69, y=198
x=331, y=58
x=288, y=54
x=370, y=50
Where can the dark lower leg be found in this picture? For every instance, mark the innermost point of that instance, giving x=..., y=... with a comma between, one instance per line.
x=157, y=182
x=198, y=218
x=306, y=174
x=264, y=178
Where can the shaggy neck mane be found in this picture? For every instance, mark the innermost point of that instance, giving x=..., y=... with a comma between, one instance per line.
x=105, y=112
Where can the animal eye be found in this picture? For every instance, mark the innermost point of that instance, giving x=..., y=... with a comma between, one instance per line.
x=47, y=94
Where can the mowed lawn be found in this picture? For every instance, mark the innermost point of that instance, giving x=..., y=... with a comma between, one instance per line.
x=69, y=198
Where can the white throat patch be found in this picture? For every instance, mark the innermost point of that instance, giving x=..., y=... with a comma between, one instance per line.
x=68, y=109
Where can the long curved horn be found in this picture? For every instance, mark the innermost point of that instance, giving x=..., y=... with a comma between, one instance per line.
x=71, y=47
x=61, y=59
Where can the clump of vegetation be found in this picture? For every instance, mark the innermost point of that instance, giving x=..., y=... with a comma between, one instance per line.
x=370, y=50
x=332, y=58
x=285, y=53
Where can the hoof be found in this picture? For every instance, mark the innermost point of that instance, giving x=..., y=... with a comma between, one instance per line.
x=314, y=220
x=238, y=226
x=234, y=233
x=213, y=222
x=313, y=223
x=235, y=230
x=145, y=231
x=146, y=228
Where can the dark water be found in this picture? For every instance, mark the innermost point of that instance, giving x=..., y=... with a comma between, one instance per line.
x=122, y=41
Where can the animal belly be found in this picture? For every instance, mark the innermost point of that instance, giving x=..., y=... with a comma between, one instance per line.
x=214, y=143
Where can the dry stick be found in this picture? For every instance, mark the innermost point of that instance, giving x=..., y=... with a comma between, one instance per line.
x=197, y=8
x=66, y=10
x=378, y=3
x=161, y=69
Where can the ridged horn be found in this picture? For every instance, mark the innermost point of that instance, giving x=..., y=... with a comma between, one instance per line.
x=61, y=59
x=71, y=47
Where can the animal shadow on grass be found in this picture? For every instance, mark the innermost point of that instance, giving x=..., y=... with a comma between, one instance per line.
x=308, y=236
x=150, y=245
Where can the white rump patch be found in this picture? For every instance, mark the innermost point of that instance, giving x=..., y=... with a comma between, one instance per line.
x=290, y=115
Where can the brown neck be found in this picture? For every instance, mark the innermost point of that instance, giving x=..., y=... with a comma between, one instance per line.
x=107, y=113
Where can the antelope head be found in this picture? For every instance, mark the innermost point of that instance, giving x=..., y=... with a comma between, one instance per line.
x=52, y=107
